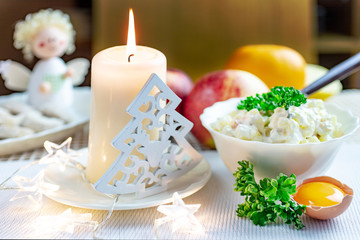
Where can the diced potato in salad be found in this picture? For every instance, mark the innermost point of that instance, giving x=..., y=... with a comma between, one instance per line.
x=309, y=123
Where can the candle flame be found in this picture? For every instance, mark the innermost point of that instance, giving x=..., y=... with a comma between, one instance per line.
x=131, y=43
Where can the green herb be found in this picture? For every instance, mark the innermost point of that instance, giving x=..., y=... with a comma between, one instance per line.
x=266, y=201
x=277, y=97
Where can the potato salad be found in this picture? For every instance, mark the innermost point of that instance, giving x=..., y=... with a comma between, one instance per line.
x=308, y=123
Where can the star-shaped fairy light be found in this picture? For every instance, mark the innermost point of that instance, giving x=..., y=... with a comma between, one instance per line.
x=181, y=215
x=33, y=188
x=61, y=154
x=65, y=222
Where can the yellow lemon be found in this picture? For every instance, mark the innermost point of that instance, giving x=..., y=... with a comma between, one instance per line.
x=275, y=65
x=314, y=72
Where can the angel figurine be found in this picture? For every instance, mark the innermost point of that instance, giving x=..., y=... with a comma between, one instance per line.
x=47, y=34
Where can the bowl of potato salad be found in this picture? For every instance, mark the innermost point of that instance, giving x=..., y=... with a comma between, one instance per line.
x=279, y=132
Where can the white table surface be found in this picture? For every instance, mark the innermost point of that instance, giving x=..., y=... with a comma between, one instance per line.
x=217, y=213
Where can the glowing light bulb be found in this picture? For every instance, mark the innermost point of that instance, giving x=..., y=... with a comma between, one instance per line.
x=65, y=222
x=33, y=188
x=60, y=154
x=180, y=214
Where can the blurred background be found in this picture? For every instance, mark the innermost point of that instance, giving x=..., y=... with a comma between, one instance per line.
x=198, y=36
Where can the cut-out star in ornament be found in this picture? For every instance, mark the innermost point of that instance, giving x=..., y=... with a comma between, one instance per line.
x=180, y=214
x=65, y=222
x=61, y=154
x=33, y=188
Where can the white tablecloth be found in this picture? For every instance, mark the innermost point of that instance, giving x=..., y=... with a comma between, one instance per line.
x=218, y=203
x=217, y=213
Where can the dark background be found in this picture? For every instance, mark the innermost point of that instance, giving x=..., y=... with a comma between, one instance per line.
x=198, y=36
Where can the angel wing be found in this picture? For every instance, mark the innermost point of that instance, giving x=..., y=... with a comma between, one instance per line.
x=80, y=68
x=15, y=75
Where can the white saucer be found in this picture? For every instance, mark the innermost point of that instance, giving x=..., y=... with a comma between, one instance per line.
x=77, y=192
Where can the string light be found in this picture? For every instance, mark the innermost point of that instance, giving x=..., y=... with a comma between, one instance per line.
x=56, y=154
x=65, y=222
x=180, y=214
x=33, y=188
x=62, y=154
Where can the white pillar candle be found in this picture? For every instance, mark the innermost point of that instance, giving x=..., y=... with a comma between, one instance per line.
x=114, y=84
x=115, y=81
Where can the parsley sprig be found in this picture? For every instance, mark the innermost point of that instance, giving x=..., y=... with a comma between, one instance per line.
x=277, y=97
x=266, y=201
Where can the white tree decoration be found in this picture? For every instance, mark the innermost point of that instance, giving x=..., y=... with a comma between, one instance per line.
x=160, y=160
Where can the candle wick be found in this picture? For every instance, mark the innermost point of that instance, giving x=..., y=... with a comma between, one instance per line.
x=131, y=55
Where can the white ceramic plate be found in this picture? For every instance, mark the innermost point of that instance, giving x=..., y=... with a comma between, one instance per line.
x=81, y=106
x=77, y=192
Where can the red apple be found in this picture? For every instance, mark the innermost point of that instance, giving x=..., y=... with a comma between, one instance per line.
x=214, y=87
x=180, y=83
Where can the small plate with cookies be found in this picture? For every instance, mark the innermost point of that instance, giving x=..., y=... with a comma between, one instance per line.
x=23, y=127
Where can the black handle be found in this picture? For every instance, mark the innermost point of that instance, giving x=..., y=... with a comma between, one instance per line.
x=339, y=72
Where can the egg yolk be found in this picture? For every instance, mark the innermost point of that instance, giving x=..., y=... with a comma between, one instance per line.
x=321, y=194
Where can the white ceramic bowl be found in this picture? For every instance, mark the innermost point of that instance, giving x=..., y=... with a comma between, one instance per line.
x=270, y=159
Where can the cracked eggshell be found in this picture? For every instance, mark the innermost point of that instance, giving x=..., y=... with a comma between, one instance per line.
x=324, y=213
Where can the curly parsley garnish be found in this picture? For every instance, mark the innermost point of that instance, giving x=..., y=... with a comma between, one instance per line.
x=277, y=97
x=266, y=201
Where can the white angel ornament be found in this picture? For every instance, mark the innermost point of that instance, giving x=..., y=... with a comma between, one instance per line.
x=47, y=34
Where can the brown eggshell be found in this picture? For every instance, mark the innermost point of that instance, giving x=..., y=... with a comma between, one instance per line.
x=324, y=213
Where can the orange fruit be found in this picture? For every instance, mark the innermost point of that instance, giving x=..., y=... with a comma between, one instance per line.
x=275, y=65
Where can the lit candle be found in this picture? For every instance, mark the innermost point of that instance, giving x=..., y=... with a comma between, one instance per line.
x=117, y=75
